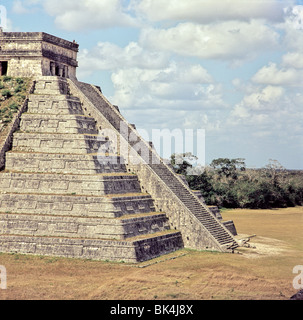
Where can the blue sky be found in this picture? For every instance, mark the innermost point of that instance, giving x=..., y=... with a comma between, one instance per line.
x=233, y=68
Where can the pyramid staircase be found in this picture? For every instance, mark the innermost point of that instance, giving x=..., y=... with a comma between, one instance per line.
x=207, y=219
x=57, y=198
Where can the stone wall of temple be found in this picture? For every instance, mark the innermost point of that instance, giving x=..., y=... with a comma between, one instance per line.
x=30, y=54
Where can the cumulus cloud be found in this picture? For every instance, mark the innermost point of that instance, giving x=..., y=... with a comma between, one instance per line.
x=293, y=59
x=262, y=100
x=227, y=40
x=207, y=11
x=293, y=29
x=171, y=88
x=144, y=78
x=294, y=17
x=270, y=111
x=109, y=56
x=271, y=74
x=73, y=15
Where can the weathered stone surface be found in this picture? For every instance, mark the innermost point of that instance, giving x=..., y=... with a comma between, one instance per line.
x=82, y=227
x=57, y=143
x=58, y=124
x=76, y=205
x=38, y=54
x=54, y=105
x=127, y=251
x=216, y=212
x=63, y=163
x=230, y=226
x=51, y=86
x=96, y=185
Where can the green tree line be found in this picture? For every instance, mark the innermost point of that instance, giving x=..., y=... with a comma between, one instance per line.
x=228, y=183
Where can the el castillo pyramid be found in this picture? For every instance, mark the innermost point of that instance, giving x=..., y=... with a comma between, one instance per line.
x=73, y=182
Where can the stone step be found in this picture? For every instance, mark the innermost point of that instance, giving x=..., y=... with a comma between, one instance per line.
x=110, y=206
x=128, y=251
x=63, y=163
x=48, y=123
x=215, y=211
x=82, y=227
x=57, y=143
x=54, y=104
x=229, y=225
x=51, y=86
x=96, y=185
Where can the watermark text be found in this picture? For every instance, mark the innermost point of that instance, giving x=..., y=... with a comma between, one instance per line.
x=3, y=285
x=3, y=17
x=140, y=147
x=298, y=280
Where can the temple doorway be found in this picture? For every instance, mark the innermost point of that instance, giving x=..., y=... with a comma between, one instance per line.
x=3, y=68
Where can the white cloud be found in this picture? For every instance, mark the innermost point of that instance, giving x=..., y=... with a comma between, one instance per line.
x=25, y=6
x=109, y=56
x=207, y=11
x=190, y=74
x=144, y=78
x=293, y=59
x=293, y=29
x=293, y=39
x=258, y=109
x=270, y=113
x=228, y=40
x=73, y=15
x=264, y=100
x=173, y=87
x=209, y=120
x=294, y=17
x=164, y=99
x=272, y=75
x=19, y=8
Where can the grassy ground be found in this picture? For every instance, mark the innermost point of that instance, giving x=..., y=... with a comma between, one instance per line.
x=263, y=272
x=12, y=95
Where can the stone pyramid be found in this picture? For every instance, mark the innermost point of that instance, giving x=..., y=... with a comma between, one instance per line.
x=58, y=197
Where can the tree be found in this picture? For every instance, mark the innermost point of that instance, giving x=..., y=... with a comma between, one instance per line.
x=204, y=183
x=228, y=167
x=227, y=183
x=275, y=171
x=181, y=162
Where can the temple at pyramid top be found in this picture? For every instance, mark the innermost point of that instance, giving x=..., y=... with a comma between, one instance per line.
x=28, y=54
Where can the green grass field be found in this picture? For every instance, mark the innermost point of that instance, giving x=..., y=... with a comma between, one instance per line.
x=264, y=271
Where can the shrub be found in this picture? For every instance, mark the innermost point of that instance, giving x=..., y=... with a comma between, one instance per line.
x=2, y=111
x=6, y=93
x=19, y=81
x=7, y=78
x=19, y=88
x=14, y=107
